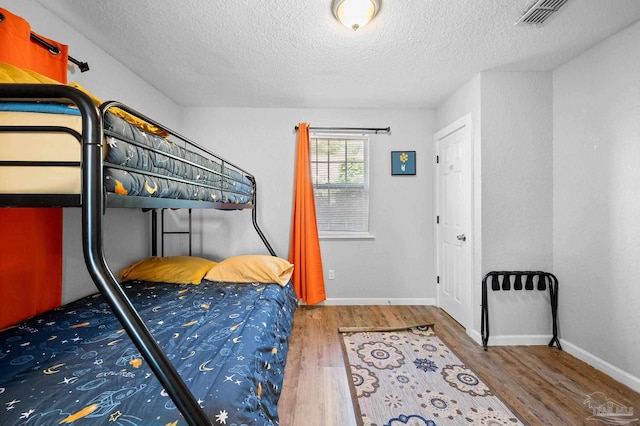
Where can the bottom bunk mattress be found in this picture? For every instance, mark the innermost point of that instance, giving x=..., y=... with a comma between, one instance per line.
x=76, y=365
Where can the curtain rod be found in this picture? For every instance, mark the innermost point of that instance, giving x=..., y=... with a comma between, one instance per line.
x=54, y=49
x=375, y=130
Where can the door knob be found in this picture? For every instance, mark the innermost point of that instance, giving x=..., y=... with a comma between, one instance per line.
x=461, y=237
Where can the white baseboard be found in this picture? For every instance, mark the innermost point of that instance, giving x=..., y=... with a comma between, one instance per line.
x=523, y=340
x=600, y=364
x=373, y=301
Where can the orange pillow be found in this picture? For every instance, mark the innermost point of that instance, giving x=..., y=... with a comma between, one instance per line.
x=172, y=269
x=252, y=268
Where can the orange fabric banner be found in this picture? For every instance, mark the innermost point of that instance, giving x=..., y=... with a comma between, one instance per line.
x=304, y=251
x=30, y=238
x=17, y=48
x=31, y=266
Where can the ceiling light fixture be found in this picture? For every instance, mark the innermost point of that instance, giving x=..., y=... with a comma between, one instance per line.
x=355, y=14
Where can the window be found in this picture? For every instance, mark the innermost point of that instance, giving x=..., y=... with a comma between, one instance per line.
x=340, y=169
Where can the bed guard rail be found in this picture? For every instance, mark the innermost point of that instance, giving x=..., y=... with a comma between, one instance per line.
x=104, y=108
x=501, y=280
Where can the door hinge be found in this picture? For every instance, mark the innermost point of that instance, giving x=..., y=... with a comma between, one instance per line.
x=437, y=159
x=437, y=279
x=437, y=220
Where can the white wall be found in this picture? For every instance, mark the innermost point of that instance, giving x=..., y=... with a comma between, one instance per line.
x=596, y=225
x=463, y=101
x=396, y=266
x=517, y=197
x=109, y=80
x=511, y=113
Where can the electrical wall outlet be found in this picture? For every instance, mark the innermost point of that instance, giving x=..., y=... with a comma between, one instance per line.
x=332, y=274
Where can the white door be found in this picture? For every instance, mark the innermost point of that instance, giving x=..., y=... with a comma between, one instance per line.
x=453, y=221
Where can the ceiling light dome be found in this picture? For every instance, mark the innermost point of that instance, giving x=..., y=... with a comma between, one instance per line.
x=355, y=13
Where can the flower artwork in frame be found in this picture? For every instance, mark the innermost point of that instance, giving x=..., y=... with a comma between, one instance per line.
x=403, y=162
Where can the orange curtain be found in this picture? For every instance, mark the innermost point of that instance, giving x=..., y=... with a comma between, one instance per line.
x=30, y=239
x=17, y=48
x=304, y=251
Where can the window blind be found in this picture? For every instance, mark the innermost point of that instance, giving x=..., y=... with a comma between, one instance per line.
x=340, y=173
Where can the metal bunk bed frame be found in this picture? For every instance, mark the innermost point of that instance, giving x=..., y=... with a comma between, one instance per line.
x=93, y=201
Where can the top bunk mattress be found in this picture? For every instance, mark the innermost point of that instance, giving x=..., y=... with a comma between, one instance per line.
x=41, y=160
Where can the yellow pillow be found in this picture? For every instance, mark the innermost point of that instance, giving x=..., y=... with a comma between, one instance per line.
x=252, y=268
x=12, y=74
x=123, y=114
x=172, y=269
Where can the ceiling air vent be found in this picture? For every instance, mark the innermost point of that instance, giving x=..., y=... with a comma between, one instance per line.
x=540, y=12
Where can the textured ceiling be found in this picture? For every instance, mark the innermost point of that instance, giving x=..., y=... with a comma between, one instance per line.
x=293, y=53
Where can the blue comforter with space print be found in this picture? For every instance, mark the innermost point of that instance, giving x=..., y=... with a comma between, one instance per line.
x=76, y=365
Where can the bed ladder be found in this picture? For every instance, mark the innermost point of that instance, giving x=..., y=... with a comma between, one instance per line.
x=154, y=232
x=164, y=232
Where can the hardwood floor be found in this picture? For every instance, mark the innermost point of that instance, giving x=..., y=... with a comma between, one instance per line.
x=544, y=385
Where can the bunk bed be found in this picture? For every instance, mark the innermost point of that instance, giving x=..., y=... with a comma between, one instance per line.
x=138, y=352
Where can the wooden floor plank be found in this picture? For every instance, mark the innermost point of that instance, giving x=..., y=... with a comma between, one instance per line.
x=544, y=385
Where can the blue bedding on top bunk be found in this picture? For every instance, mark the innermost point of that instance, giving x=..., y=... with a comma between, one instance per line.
x=50, y=108
x=76, y=365
x=139, y=163
x=234, y=187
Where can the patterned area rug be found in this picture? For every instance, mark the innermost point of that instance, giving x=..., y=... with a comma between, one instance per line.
x=408, y=377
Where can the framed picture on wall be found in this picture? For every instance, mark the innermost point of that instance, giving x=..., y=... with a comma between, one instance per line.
x=403, y=163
